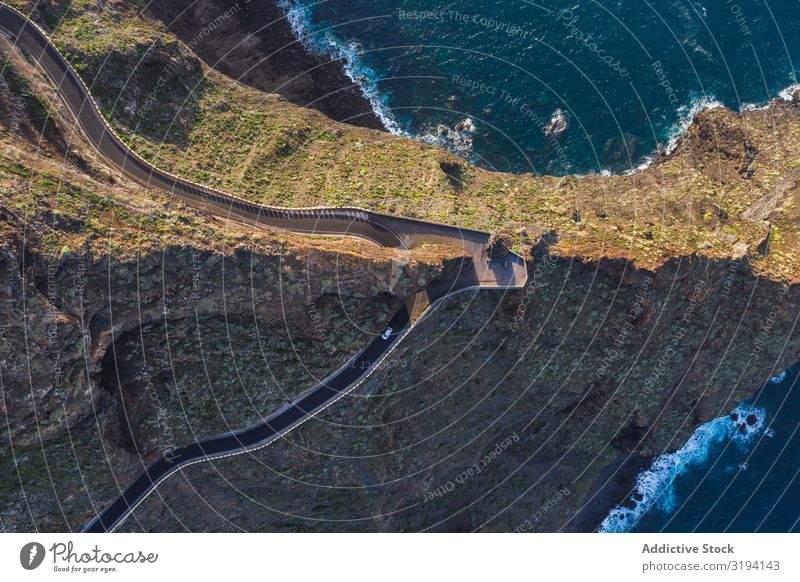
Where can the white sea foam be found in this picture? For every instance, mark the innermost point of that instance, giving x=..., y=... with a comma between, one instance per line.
x=686, y=115
x=754, y=107
x=778, y=378
x=324, y=44
x=458, y=139
x=654, y=487
x=788, y=94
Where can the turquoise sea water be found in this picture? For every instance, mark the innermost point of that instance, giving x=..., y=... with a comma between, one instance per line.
x=628, y=76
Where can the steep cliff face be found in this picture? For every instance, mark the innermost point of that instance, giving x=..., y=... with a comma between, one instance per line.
x=93, y=322
x=130, y=356
x=531, y=411
x=234, y=37
x=130, y=323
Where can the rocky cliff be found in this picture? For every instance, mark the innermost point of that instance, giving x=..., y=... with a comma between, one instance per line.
x=130, y=323
x=528, y=412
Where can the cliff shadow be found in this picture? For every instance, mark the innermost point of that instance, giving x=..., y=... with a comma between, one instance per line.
x=254, y=44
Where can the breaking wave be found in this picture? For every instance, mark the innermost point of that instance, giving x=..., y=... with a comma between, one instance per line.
x=686, y=115
x=323, y=43
x=350, y=54
x=654, y=487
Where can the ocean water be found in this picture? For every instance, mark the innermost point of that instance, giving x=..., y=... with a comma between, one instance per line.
x=731, y=475
x=627, y=75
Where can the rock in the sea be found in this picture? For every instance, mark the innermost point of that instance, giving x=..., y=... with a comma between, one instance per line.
x=458, y=139
x=558, y=125
x=466, y=126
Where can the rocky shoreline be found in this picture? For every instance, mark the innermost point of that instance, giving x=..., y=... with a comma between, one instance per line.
x=254, y=44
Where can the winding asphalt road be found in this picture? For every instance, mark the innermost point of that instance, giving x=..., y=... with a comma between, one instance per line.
x=507, y=272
